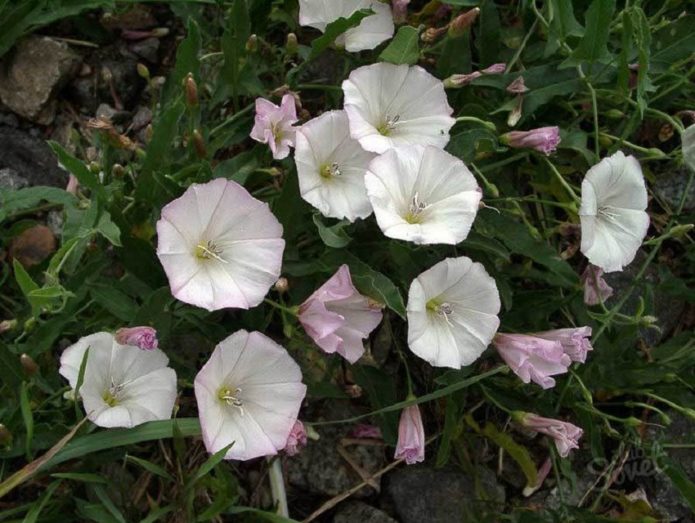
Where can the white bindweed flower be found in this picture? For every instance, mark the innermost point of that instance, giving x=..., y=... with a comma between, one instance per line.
x=248, y=393
x=371, y=31
x=423, y=195
x=220, y=246
x=452, y=312
x=123, y=385
x=331, y=167
x=390, y=105
x=612, y=212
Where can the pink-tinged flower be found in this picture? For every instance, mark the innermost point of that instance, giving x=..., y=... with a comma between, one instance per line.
x=338, y=317
x=248, y=393
x=575, y=341
x=400, y=10
x=518, y=86
x=73, y=184
x=296, y=441
x=459, y=80
x=532, y=358
x=366, y=431
x=141, y=337
x=273, y=125
x=565, y=434
x=543, y=472
x=596, y=289
x=219, y=246
x=543, y=139
x=411, y=436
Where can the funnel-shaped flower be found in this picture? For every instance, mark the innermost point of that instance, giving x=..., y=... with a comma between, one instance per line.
x=248, y=393
x=543, y=139
x=123, y=386
x=390, y=105
x=423, y=195
x=219, y=246
x=338, y=317
x=575, y=341
x=273, y=125
x=331, y=167
x=411, y=436
x=371, y=31
x=533, y=358
x=452, y=312
x=612, y=213
x=565, y=435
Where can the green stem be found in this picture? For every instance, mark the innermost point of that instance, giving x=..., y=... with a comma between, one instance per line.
x=562, y=180
x=484, y=123
x=294, y=311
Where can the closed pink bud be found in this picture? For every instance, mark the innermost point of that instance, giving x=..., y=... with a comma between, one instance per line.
x=543, y=139
x=575, y=341
x=296, y=441
x=565, y=435
x=532, y=358
x=400, y=10
x=518, y=86
x=495, y=69
x=596, y=290
x=411, y=436
x=142, y=337
x=462, y=22
x=73, y=184
x=366, y=431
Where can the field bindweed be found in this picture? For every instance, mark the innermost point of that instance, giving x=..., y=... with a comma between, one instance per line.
x=273, y=125
x=533, y=358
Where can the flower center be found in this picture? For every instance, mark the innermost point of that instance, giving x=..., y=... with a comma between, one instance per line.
x=607, y=213
x=415, y=210
x=231, y=398
x=330, y=170
x=209, y=250
x=388, y=125
x=111, y=395
x=442, y=309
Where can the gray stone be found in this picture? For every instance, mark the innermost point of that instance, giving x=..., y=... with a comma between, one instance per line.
x=422, y=494
x=142, y=117
x=320, y=469
x=10, y=179
x=356, y=511
x=29, y=158
x=670, y=186
x=147, y=49
x=32, y=74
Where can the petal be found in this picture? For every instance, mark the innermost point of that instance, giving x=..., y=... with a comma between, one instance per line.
x=372, y=30
x=71, y=359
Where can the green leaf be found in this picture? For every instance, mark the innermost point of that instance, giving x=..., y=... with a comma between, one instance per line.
x=150, y=467
x=78, y=169
x=593, y=47
x=26, y=284
x=186, y=61
x=27, y=417
x=209, y=464
x=679, y=479
x=335, y=29
x=562, y=24
x=333, y=235
x=517, y=452
x=114, y=301
x=36, y=507
x=672, y=43
x=84, y=477
x=489, y=39
x=12, y=201
x=108, y=229
x=404, y=48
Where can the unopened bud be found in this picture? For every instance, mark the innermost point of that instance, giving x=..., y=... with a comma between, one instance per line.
x=515, y=114
x=666, y=132
x=252, y=44
x=160, y=32
x=518, y=86
x=614, y=114
x=292, y=45
x=143, y=71
x=94, y=167
x=7, y=325
x=648, y=320
x=431, y=34
x=28, y=364
x=681, y=230
x=118, y=171
x=462, y=22
x=282, y=285
x=199, y=144
x=5, y=436
x=633, y=422
x=191, y=89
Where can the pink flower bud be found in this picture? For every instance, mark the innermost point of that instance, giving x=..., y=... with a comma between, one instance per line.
x=565, y=435
x=532, y=358
x=73, y=184
x=400, y=10
x=596, y=290
x=574, y=341
x=498, y=68
x=296, y=441
x=459, y=80
x=142, y=337
x=411, y=436
x=518, y=86
x=543, y=139
x=462, y=22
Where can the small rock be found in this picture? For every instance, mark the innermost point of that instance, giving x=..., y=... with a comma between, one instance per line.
x=33, y=73
x=33, y=245
x=9, y=179
x=147, y=49
x=671, y=186
x=106, y=112
x=320, y=469
x=356, y=511
x=29, y=159
x=142, y=117
x=420, y=493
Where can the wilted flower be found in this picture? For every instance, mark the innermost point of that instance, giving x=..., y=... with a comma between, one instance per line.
x=273, y=125
x=612, y=212
x=219, y=246
x=543, y=139
x=565, y=435
x=400, y=10
x=141, y=337
x=371, y=31
x=462, y=22
x=411, y=436
x=390, y=105
x=533, y=358
x=331, y=167
x=296, y=441
x=338, y=317
x=248, y=393
x=459, y=80
x=575, y=341
x=452, y=312
x=596, y=289
x=123, y=386
x=518, y=86
x=423, y=195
